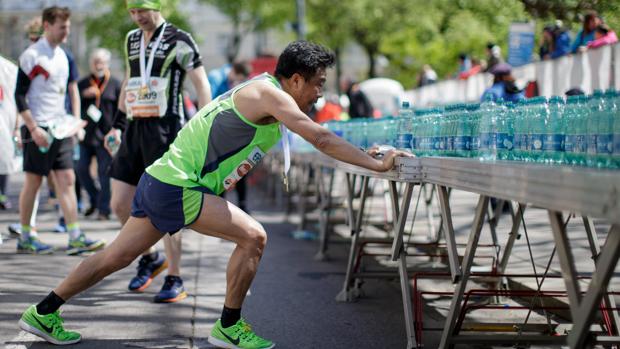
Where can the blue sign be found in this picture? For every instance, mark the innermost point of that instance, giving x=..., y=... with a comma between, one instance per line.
x=520, y=43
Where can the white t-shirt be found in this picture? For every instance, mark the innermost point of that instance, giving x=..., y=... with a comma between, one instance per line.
x=8, y=113
x=48, y=70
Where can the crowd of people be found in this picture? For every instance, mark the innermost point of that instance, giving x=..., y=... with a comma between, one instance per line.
x=157, y=170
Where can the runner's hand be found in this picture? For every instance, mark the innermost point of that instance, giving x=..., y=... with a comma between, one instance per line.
x=17, y=137
x=387, y=162
x=39, y=136
x=114, y=136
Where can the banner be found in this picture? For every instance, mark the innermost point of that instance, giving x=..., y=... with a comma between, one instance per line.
x=521, y=43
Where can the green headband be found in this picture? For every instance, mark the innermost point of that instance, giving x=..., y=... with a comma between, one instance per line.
x=144, y=4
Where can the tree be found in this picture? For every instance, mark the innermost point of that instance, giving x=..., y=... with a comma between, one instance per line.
x=110, y=27
x=252, y=16
x=329, y=23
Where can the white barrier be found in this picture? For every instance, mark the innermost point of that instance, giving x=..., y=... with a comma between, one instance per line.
x=595, y=69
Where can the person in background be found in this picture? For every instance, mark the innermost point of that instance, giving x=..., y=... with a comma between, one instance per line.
x=40, y=97
x=427, y=76
x=9, y=128
x=586, y=34
x=464, y=63
x=504, y=86
x=228, y=76
x=476, y=67
x=359, y=104
x=555, y=42
x=494, y=56
x=603, y=35
x=99, y=99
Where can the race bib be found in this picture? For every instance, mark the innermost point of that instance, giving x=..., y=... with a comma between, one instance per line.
x=146, y=102
x=243, y=168
x=94, y=113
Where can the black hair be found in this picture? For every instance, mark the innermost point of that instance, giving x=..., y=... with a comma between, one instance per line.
x=51, y=14
x=304, y=58
x=242, y=68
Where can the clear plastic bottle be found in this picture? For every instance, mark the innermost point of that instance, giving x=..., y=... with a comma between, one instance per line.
x=462, y=138
x=537, y=117
x=596, y=105
x=553, y=144
x=519, y=150
x=488, y=131
x=473, y=121
x=505, y=131
x=405, y=137
x=615, y=157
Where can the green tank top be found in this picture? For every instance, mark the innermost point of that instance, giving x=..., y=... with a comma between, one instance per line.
x=217, y=147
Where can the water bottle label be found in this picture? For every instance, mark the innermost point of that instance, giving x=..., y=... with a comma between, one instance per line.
x=553, y=142
x=449, y=143
x=462, y=143
x=475, y=143
x=437, y=143
x=487, y=140
x=404, y=141
x=591, y=144
x=604, y=144
x=516, y=144
x=338, y=133
x=569, y=143
x=617, y=144
x=536, y=142
x=504, y=141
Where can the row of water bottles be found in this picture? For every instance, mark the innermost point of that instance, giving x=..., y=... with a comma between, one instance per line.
x=579, y=130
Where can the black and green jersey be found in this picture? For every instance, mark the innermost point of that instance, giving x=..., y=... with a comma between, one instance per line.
x=177, y=53
x=217, y=147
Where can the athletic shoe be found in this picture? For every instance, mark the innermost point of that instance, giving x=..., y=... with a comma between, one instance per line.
x=147, y=270
x=33, y=245
x=172, y=291
x=48, y=327
x=15, y=229
x=61, y=227
x=90, y=211
x=237, y=336
x=83, y=244
x=5, y=204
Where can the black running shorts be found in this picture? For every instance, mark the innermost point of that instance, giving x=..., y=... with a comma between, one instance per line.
x=59, y=156
x=143, y=142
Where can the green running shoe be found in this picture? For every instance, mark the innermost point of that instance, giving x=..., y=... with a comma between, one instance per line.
x=238, y=336
x=48, y=327
x=83, y=244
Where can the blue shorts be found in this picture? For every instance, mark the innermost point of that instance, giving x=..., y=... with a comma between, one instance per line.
x=169, y=207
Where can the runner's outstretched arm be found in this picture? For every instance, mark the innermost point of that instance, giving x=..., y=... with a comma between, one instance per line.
x=199, y=79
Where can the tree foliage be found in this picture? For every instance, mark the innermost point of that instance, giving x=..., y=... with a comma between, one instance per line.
x=113, y=22
x=252, y=16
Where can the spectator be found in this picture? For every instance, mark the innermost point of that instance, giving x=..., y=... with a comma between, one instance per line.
x=228, y=76
x=476, y=67
x=359, y=105
x=555, y=42
x=603, y=36
x=504, y=86
x=427, y=76
x=331, y=110
x=494, y=56
x=8, y=127
x=99, y=100
x=464, y=63
x=590, y=22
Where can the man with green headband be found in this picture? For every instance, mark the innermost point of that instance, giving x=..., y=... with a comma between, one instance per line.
x=158, y=56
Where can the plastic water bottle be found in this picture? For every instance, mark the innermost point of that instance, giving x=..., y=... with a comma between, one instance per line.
x=462, y=140
x=519, y=145
x=405, y=138
x=537, y=117
x=473, y=122
x=575, y=126
x=505, y=131
x=615, y=159
x=113, y=145
x=605, y=137
x=553, y=143
x=488, y=131
x=595, y=105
